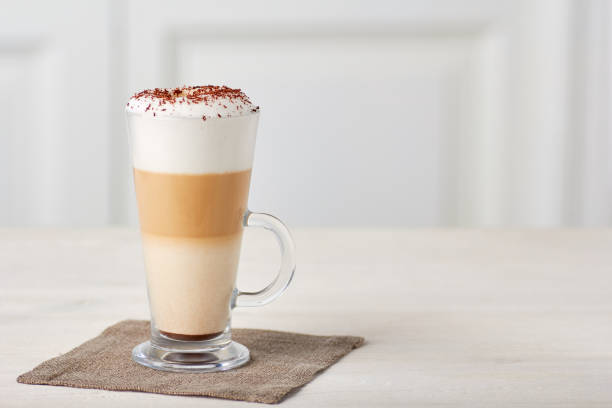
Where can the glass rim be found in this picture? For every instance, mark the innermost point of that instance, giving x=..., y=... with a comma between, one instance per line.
x=182, y=117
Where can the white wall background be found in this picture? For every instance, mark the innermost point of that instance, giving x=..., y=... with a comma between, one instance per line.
x=387, y=113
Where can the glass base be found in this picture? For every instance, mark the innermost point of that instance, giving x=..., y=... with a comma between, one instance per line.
x=230, y=356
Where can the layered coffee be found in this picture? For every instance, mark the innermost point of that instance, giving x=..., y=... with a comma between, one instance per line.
x=192, y=150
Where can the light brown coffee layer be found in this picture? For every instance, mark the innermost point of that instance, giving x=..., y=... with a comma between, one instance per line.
x=191, y=205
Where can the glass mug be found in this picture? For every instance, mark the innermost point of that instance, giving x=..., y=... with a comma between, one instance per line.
x=192, y=180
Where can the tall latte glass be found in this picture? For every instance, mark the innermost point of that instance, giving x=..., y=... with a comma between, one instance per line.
x=192, y=150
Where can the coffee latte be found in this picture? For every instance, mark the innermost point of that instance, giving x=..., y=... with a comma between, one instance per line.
x=192, y=149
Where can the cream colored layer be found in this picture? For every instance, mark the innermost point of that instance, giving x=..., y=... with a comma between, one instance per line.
x=191, y=281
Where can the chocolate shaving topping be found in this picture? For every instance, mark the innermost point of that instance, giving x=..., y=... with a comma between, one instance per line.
x=193, y=94
x=208, y=95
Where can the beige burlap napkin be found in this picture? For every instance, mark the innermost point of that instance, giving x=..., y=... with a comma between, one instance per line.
x=280, y=363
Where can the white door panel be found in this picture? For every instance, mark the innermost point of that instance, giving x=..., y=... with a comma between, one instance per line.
x=54, y=113
x=407, y=113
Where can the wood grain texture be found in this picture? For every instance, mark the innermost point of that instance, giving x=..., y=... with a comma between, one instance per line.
x=451, y=318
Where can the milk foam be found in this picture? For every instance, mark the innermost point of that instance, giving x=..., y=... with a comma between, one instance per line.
x=192, y=145
x=192, y=102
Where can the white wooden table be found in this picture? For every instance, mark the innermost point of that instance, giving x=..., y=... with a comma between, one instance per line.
x=451, y=318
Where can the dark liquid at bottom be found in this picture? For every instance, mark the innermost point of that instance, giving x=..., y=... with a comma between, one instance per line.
x=190, y=337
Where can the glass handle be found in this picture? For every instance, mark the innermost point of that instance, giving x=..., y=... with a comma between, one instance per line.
x=287, y=267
